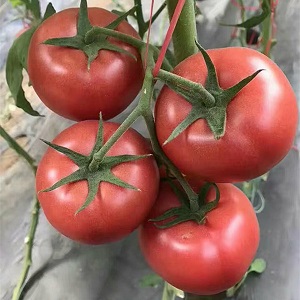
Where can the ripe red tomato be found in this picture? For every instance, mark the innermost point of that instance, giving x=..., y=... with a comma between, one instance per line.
x=261, y=119
x=61, y=78
x=203, y=259
x=115, y=211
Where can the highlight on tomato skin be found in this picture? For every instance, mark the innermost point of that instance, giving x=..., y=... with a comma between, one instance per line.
x=115, y=211
x=202, y=259
x=62, y=80
x=261, y=119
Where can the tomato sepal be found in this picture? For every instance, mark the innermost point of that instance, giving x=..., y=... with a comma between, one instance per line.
x=92, y=170
x=88, y=39
x=208, y=102
x=186, y=212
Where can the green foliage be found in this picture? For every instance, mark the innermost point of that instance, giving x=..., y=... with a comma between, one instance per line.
x=151, y=280
x=16, y=3
x=17, y=62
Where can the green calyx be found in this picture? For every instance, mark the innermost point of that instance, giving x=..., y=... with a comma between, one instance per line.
x=94, y=172
x=88, y=38
x=185, y=212
x=208, y=102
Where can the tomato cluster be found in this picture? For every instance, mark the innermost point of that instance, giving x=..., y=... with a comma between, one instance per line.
x=204, y=257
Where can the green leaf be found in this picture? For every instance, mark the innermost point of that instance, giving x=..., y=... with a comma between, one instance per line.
x=16, y=62
x=258, y=266
x=15, y=146
x=16, y=3
x=255, y=20
x=35, y=8
x=151, y=280
x=121, y=18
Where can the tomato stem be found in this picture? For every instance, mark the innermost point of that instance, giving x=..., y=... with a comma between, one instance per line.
x=140, y=18
x=142, y=24
x=145, y=103
x=27, y=261
x=98, y=156
x=28, y=249
x=20, y=151
x=203, y=94
x=170, y=292
x=268, y=30
x=185, y=32
x=192, y=196
x=169, y=35
x=139, y=44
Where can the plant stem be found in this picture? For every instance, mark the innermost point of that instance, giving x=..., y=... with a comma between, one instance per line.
x=167, y=294
x=139, y=44
x=140, y=18
x=149, y=120
x=170, y=292
x=203, y=94
x=163, y=158
x=20, y=151
x=185, y=32
x=29, y=239
x=157, y=13
x=116, y=135
x=243, y=33
x=267, y=28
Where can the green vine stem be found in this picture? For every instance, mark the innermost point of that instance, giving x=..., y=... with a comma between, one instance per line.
x=185, y=33
x=20, y=151
x=29, y=239
x=267, y=31
x=243, y=33
x=133, y=116
x=163, y=158
x=139, y=44
x=140, y=18
x=170, y=292
x=221, y=296
x=144, y=109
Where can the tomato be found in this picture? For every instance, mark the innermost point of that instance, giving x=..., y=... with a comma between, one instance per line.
x=61, y=78
x=115, y=211
x=261, y=119
x=203, y=259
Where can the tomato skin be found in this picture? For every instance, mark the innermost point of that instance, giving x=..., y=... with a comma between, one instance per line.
x=115, y=212
x=203, y=259
x=61, y=78
x=261, y=119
